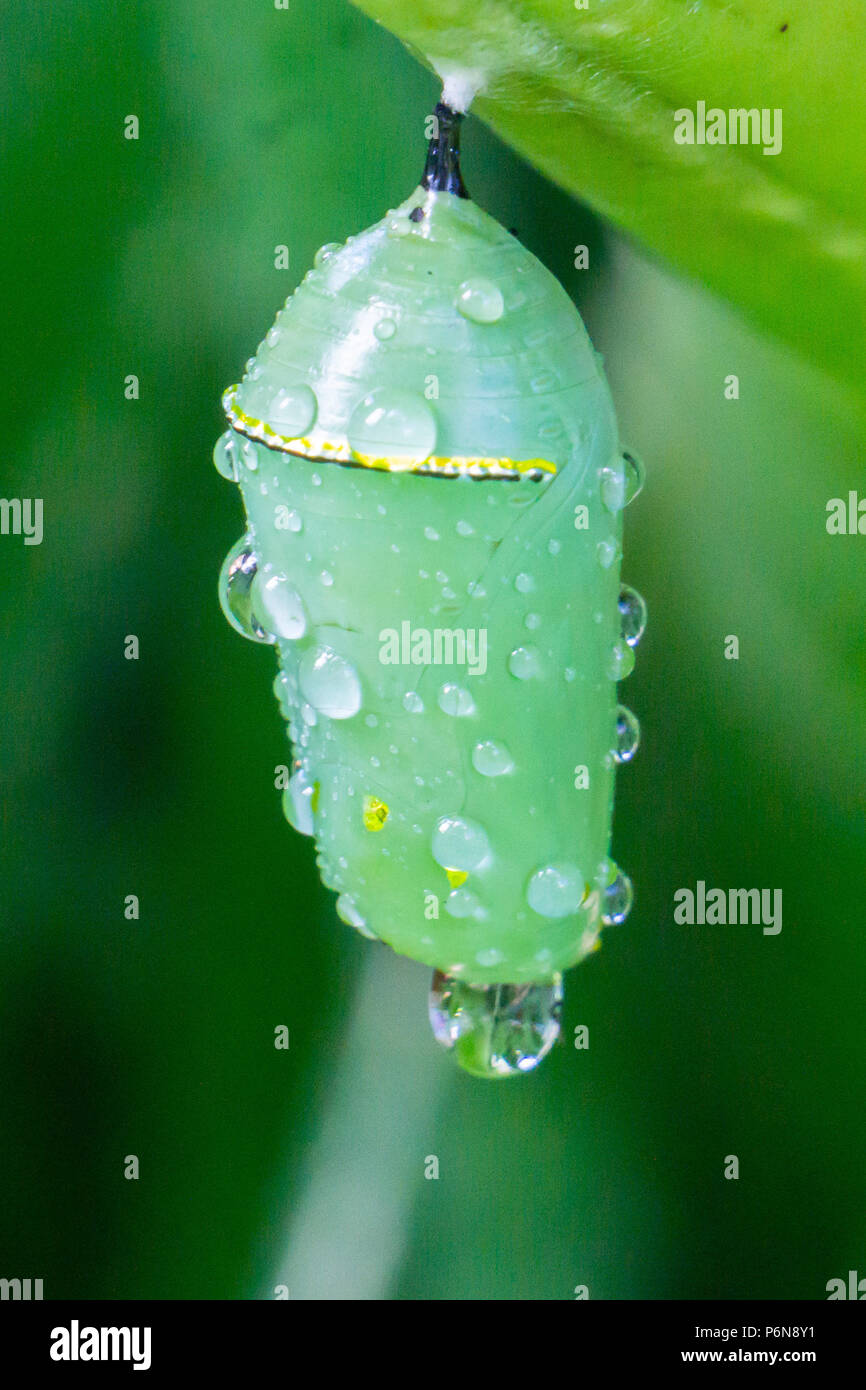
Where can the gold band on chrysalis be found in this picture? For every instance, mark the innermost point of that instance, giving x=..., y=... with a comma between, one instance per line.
x=328, y=451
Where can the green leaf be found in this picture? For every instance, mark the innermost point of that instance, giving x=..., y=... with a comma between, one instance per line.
x=589, y=96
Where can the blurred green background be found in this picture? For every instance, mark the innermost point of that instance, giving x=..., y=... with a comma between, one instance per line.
x=261, y=1167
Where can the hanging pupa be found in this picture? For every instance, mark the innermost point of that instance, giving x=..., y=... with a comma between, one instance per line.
x=435, y=556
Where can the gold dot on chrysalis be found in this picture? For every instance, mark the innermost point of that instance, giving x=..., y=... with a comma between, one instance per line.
x=375, y=813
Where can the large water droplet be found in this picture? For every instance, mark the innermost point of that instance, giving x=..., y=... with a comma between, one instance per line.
x=524, y=583
x=293, y=410
x=330, y=683
x=385, y=329
x=632, y=615
x=627, y=736
x=225, y=456
x=455, y=700
x=525, y=663
x=620, y=662
x=412, y=702
x=495, y=1030
x=617, y=899
x=460, y=843
x=480, y=300
x=235, y=591
x=393, y=423
x=492, y=759
x=277, y=606
x=556, y=891
x=298, y=802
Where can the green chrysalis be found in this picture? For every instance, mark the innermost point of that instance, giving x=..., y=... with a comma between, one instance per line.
x=429, y=462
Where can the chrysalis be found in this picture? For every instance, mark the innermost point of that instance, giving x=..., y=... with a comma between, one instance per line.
x=428, y=458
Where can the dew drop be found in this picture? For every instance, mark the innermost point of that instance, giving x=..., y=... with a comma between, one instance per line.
x=273, y=336
x=412, y=702
x=480, y=301
x=385, y=329
x=325, y=253
x=627, y=735
x=293, y=410
x=465, y=528
x=556, y=890
x=225, y=456
x=554, y=546
x=607, y=553
x=495, y=1030
x=293, y=521
x=249, y=455
x=277, y=606
x=349, y=912
x=462, y=902
x=492, y=759
x=455, y=700
x=635, y=475
x=525, y=663
x=524, y=583
x=298, y=803
x=460, y=843
x=329, y=683
x=235, y=586
x=621, y=661
x=617, y=899
x=431, y=533
x=532, y=621
x=632, y=615
x=387, y=423
x=399, y=227
x=326, y=578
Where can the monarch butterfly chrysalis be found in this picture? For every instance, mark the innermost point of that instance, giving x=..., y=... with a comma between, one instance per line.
x=429, y=462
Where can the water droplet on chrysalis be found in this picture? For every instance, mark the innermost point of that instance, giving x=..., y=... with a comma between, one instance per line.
x=492, y=759
x=632, y=615
x=621, y=661
x=627, y=735
x=495, y=1030
x=235, y=591
x=329, y=683
x=394, y=423
x=455, y=700
x=556, y=890
x=479, y=300
x=459, y=843
x=277, y=606
x=225, y=456
x=617, y=898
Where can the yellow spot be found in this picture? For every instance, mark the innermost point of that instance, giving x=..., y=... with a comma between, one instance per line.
x=456, y=877
x=375, y=813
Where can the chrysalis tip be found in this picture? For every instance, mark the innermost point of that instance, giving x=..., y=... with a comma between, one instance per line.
x=442, y=170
